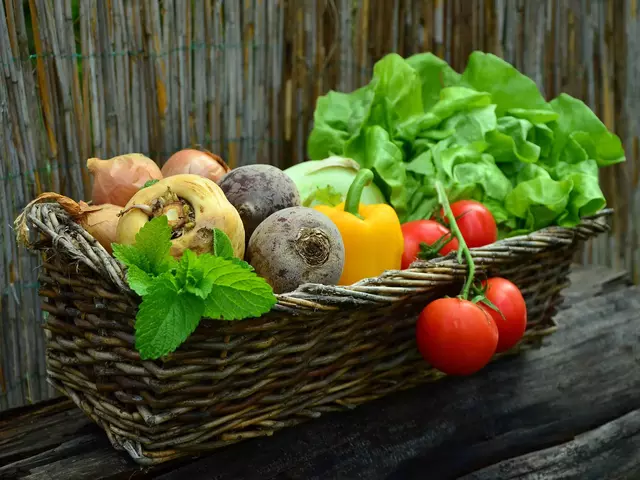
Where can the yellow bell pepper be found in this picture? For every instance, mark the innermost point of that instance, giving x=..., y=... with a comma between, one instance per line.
x=371, y=234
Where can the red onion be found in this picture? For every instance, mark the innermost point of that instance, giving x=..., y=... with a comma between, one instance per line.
x=195, y=162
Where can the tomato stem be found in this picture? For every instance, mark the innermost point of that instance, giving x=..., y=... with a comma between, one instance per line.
x=462, y=245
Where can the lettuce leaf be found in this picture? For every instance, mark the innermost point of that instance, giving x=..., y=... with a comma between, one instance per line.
x=337, y=118
x=434, y=74
x=580, y=135
x=509, y=89
x=385, y=159
x=487, y=134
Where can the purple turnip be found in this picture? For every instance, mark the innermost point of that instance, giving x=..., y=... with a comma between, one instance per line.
x=294, y=246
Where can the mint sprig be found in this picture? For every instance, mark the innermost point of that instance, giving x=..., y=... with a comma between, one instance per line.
x=176, y=295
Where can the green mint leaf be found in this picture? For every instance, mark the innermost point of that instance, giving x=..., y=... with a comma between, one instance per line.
x=221, y=244
x=139, y=280
x=237, y=292
x=192, y=273
x=150, y=253
x=207, y=264
x=242, y=264
x=188, y=270
x=148, y=183
x=166, y=317
x=154, y=242
x=131, y=256
x=196, y=273
x=205, y=273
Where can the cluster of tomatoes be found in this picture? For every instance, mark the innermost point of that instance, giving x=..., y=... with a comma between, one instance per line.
x=455, y=335
x=474, y=220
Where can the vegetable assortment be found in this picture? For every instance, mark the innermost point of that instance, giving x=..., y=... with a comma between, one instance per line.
x=486, y=134
x=421, y=162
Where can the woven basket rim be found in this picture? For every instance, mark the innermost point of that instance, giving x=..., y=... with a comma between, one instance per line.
x=389, y=287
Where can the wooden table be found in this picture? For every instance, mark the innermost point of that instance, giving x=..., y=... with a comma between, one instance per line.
x=570, y=410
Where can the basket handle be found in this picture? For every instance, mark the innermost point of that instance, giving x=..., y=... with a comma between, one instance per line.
x=50, y=219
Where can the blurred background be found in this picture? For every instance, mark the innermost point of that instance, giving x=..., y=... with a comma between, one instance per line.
x=83, y=78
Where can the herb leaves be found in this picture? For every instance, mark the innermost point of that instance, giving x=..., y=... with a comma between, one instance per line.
x=176, y=294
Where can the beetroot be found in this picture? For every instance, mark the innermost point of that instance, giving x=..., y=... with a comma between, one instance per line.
x=257, y=191
x=294, y=246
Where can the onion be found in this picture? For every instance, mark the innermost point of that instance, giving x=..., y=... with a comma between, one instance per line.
x=100, y=221
x=116, y=180
x=196, y=162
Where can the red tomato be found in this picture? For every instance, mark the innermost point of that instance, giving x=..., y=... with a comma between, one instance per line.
x=456, y=336
x=509, y=300
x=476, y=224
x=428, y=231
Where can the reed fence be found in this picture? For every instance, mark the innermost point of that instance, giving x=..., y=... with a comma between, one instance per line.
x=99, y=78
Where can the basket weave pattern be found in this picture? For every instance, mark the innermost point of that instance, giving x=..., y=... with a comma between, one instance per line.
x=321, y=348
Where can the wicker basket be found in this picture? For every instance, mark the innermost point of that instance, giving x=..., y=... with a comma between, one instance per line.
x=321, y=348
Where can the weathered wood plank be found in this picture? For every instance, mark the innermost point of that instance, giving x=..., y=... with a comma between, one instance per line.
x=39, y=431
x=585, y=377
x=100, y=463
x=610, y=451
x=70, y=449
x=590, y=281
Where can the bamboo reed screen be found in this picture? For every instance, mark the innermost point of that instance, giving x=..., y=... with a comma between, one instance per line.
x=99, y=78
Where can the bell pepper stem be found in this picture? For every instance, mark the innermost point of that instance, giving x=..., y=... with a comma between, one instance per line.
x=352, y=203
x=442, y=199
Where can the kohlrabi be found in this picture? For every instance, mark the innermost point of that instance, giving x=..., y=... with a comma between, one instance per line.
x=326, y=182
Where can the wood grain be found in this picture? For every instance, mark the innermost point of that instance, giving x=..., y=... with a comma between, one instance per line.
x=609, y=451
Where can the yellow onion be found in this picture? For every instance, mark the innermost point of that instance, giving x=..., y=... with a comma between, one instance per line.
x=117, y=179
x=198, y=162
x=193, y=205
x=99, y=220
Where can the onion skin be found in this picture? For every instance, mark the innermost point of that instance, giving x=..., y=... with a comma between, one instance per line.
x=117, y=179
x=100, y=221
x=207, y=202
x=197, y=162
